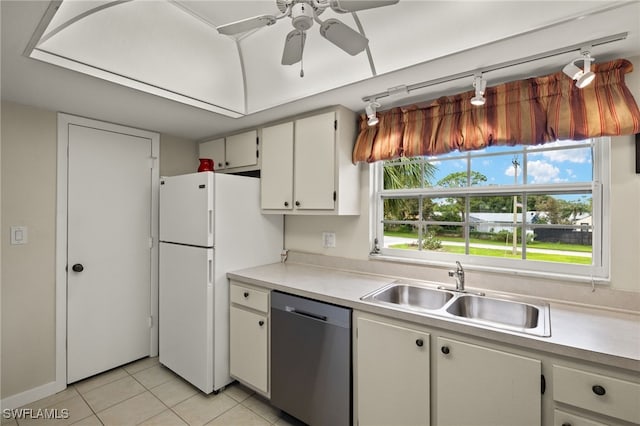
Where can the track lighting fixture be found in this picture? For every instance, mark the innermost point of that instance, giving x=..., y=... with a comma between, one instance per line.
x=582, y=76
x=480, y=85
x=370, y=110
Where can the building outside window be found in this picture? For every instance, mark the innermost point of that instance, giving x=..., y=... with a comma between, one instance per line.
x=538, y=209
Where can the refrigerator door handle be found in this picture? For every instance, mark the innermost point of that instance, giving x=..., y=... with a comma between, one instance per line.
x=210, y=212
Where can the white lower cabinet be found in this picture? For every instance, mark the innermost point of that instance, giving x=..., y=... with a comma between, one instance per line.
x=476, y=385
x=562, y=418
x=249, y=336
x=406, y=374
x=596, y=393
x=392, y=374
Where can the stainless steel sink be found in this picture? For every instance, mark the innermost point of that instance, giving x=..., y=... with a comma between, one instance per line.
x=410, y=296
x=501, y=312
x=496, y=312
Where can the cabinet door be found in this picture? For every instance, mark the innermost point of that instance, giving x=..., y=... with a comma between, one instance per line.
x=242, y=149
x=249, y=361
x=482, y=386
x=215, y=150
x=276, y=176
x=392, y=374
x=314, y=160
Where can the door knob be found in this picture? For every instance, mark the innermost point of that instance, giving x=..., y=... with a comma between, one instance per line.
x=77, y=267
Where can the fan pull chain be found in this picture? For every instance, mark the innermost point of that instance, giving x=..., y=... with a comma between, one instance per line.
x=302, y=55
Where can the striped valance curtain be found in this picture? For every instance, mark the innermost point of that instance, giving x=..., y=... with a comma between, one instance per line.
x=525, y=112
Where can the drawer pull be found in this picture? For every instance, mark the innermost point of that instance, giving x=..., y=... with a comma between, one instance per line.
x=599, y=390
x=419, y=343
x=445, y=350
x=246, y=294
x=260, y=323
x=566, y=424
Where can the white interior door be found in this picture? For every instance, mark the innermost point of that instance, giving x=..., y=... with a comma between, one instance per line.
x=108, y=253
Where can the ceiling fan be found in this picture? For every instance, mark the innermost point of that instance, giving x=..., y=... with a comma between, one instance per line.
x=303, y=13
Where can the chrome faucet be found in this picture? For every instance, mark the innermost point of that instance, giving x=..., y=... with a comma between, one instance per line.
x=459, y=275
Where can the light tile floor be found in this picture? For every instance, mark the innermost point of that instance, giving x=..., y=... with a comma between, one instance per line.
x=146, y=393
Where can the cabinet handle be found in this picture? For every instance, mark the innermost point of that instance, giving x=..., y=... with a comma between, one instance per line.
x=260, y=323
x=599, y=390
x=445, y=350
x=246, y=294
x=419, y=343
x=297, y=203
x=226, y=163
x=219, y=165
x=286, y=204
x=566, y=424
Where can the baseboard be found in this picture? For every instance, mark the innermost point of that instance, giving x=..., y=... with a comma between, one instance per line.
x=31, y=395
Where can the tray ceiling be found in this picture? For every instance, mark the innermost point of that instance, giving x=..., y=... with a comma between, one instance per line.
x=172, y=48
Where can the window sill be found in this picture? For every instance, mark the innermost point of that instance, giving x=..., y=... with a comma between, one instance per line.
x=573, y=278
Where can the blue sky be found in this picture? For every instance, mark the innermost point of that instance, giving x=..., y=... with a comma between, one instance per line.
x=543, y=166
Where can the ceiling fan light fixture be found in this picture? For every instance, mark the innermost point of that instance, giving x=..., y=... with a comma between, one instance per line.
x=302, y=16
x=480, y=84
x=370, y=110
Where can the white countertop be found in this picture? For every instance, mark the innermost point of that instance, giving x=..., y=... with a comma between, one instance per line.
x=590, y=334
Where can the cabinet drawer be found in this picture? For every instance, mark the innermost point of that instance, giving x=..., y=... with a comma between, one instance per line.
x=561, y=418
x=250, y=297
x=596, y=392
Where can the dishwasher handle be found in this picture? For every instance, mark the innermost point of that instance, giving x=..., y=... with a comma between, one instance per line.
x=293, y=310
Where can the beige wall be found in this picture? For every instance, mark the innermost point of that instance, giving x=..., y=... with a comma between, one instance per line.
x=28, y=180
x=304, y=233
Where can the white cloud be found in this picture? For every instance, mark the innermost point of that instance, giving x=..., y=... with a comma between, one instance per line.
x=542, y=172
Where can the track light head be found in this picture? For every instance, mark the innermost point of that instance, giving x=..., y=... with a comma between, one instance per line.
x=583, y=77
x=480, y=85
x=370, y=110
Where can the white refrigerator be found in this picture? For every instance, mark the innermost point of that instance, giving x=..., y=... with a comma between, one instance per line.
x=210, y=224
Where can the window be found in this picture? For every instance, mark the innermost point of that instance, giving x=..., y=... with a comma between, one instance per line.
x=525, y=208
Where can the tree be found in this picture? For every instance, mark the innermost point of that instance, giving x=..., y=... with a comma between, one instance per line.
x=400, y=174
x=459, y=179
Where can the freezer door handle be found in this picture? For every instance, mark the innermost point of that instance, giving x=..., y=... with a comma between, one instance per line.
x=210, y=224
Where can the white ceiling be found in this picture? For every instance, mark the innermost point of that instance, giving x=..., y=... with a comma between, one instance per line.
x=172, y=48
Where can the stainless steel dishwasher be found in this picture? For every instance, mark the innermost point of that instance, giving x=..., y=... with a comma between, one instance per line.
x=311, y=360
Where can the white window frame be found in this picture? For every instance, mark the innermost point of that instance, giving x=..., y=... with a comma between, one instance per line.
x=597, y=272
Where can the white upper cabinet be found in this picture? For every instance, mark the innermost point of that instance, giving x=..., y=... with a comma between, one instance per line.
x=233, y=153
x=277, y=167
x=314, y=162
x=306, y=165
x=215, y=151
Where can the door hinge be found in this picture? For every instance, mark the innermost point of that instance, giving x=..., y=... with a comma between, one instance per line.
x=334, y=195
x=335, y=124
x=543, y=384
x=150, y=242
x=152, y=162
x=150, y=321
x=257, y=153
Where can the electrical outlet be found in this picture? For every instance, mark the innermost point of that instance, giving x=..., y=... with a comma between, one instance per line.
x=328, y=239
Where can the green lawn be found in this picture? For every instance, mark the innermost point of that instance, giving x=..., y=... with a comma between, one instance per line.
x=549, y=246
x=505, y=252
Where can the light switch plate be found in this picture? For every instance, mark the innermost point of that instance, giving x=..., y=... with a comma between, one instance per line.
x=19, y=235
x=328, y=239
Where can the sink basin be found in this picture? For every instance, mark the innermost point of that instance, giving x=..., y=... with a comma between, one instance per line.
x=505, y=313
x=410, y=296
x=516, y=315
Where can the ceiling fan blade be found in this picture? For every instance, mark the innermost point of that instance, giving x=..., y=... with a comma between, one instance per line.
x=245, y=25
x=293, y=47
x=343, y=36
x=346, y=6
